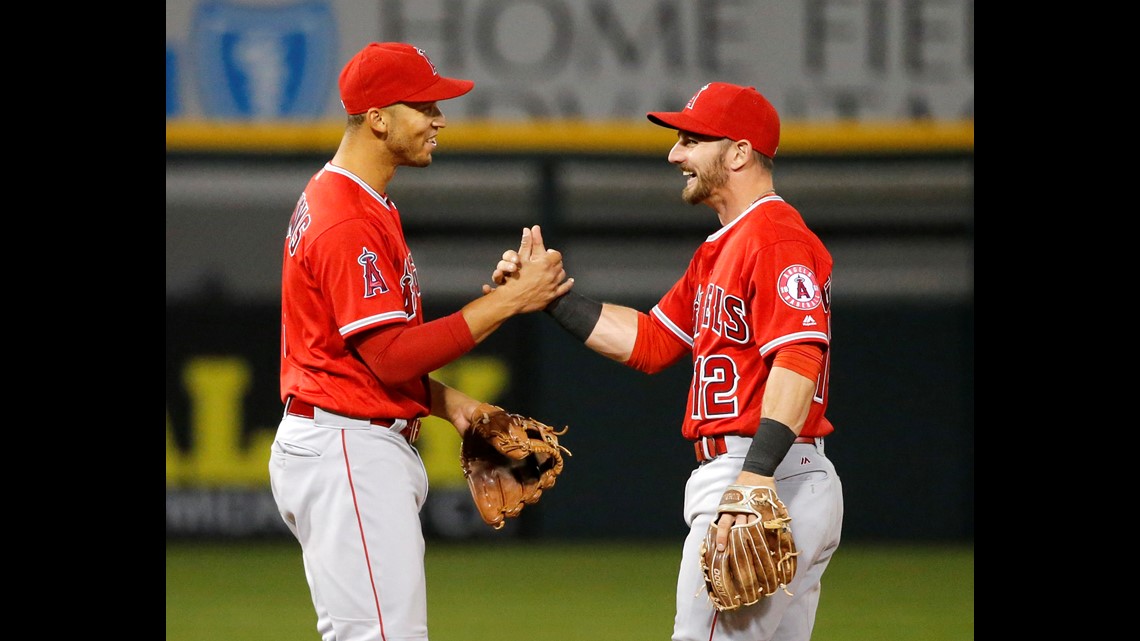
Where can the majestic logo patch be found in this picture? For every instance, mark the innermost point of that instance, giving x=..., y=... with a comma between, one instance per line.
x=797, y=287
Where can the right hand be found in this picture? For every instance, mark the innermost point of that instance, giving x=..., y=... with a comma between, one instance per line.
x=543, y=278
x=510, y=261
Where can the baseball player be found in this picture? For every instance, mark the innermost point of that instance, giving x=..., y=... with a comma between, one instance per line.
x=754, y=310
x=356, y=354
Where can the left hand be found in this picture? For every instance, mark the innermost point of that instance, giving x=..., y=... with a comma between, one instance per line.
x=760, y=555
x=726, y=520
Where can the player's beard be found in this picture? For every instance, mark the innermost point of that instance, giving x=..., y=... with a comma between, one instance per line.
x=413, y=151
x=416, y=157
x=707, y=181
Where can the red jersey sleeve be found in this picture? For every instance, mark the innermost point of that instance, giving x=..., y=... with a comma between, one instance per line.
x=675, y=311
x=791, y=306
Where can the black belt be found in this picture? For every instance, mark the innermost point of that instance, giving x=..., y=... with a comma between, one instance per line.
x=297, y=407
x=715, y=446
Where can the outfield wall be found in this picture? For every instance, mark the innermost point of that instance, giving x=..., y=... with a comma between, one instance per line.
x=902, y=403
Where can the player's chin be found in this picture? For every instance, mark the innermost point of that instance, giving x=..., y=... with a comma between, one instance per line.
x=694, y=194
x=421, y=160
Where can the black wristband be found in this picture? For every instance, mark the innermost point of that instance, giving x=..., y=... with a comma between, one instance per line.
x=770, y=445
x=576, y=314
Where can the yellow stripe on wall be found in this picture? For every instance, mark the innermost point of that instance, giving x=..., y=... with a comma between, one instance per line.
x=562, y=136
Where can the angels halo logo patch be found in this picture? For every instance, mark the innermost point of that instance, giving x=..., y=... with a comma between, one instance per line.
x=797, y=287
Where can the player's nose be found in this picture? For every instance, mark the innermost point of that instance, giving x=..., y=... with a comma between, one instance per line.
x=677, y=153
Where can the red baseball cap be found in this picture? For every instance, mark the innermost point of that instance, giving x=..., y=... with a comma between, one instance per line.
x=384, y=73
x=727, y=111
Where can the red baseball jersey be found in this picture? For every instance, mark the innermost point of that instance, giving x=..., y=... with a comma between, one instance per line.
x=761, y=282
x=347, y=268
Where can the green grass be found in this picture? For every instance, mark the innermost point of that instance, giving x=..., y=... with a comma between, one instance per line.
x=595, y=592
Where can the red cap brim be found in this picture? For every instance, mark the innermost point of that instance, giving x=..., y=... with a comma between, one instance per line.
x=442, y=89
x=679, y=120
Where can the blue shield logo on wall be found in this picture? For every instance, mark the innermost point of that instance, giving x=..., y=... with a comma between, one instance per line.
x=264, y=62
x=173, y=100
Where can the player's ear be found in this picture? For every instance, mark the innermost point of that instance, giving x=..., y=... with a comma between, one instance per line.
x=378, y=120
x=740, y=154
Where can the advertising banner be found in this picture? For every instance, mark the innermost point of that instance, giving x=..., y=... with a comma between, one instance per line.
x=821, y=62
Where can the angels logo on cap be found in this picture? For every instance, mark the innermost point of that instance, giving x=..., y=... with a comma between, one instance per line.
x=424, y=54
x=689, y=105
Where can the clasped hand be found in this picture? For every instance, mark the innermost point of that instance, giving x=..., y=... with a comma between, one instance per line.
x=542, y=280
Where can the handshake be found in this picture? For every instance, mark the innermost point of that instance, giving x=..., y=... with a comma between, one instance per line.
x=543, y=279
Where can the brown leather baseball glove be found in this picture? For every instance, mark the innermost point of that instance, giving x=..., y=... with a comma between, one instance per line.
x=760, y=557
x=508, y=461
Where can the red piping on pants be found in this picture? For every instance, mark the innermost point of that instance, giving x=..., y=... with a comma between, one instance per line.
x=360, y=524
